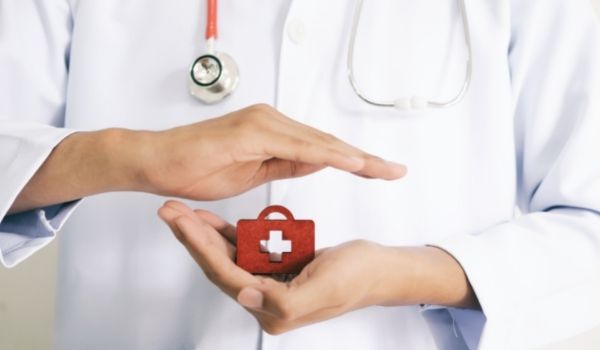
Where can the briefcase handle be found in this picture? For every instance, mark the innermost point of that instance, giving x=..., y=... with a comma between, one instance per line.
x=275, y=209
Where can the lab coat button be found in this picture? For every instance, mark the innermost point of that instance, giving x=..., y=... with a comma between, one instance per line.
x=296, y=31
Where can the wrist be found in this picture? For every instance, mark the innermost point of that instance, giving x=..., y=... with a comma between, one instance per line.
x=123, y=159
x=84, y=164
x=425, y=275
x=442, y=280
x=400, y=278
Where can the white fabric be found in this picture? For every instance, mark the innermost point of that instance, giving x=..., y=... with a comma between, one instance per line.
x=23, y=234
x=526, y=132
x=33, y=75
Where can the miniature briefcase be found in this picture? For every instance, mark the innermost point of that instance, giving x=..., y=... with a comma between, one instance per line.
x=275, y=246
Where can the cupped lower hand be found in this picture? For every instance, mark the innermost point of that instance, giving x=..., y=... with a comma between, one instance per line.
x=340, y=279
x=225, y=156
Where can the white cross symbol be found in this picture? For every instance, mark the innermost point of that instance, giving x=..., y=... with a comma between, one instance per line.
x=275, y=246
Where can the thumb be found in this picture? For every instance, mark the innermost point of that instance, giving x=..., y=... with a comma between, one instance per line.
x=251, y=298
x=282, y=300
x=265, y=298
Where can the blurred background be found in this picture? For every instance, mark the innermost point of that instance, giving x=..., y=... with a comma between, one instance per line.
x=27, y=302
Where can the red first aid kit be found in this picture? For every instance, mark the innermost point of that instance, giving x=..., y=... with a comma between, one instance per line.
x=275, y=246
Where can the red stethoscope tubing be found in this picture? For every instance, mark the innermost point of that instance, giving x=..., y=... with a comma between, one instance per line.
x=211, y=19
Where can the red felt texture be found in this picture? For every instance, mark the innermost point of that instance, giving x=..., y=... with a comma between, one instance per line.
x=250, y=232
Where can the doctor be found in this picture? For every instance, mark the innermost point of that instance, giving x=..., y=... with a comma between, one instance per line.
x=524, y=134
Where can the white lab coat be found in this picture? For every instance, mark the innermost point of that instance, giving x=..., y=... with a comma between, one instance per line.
x=527, y=133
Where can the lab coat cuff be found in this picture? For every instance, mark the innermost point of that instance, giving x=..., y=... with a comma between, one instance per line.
x=470, y=254
x=23, y=234
x=26, y=147
x=461, y=327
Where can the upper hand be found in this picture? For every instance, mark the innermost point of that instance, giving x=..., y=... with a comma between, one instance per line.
x=225, y=156
x=212, y=159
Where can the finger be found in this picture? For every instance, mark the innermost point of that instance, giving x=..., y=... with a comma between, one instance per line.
x=290, y=302
x=374, y=167
x=276, y=169
x=293, y=302
x=317, y=136
x=168, y=215
x=218, y=267
x=221, y=225
x=303, y=151
x=275, y=325
x=180, y=207
x=252, y=296
x=213, y=236
x=314, y=152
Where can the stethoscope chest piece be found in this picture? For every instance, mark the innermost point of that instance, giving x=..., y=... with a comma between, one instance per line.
x=212, y=77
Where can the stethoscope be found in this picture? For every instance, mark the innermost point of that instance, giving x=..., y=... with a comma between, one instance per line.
x=214, y=75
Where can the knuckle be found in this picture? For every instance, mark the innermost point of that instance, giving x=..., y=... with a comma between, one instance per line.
x=181, y=236
x=362, y=245
x=245, y=127
x=210, y=275
x=301, y=147
x=362, y=242
x=273, y=328
x=186, y=238
x=261, y=108
x=371, y=158
x=293, y=170
x=213, y=276
x=303, y=144
x=264, y=113
x=330, y=138
x=267, y=326
x=255, y=117
x=216, y=276
x=286, y=310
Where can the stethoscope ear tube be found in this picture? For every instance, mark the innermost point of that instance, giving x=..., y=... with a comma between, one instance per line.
x=415, y=102
x=214, y=76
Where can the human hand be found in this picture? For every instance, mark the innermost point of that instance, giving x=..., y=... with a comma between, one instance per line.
x=340, y=279
x=213, y=159
x=225, y=156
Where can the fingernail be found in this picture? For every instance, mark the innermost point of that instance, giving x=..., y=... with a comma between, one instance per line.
x=394, y=164
x=251, y=298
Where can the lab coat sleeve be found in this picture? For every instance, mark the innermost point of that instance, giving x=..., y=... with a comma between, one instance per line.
x=34, y=46
x=537, y=277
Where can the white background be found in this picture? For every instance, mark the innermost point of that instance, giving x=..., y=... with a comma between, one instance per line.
x=27, y=303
